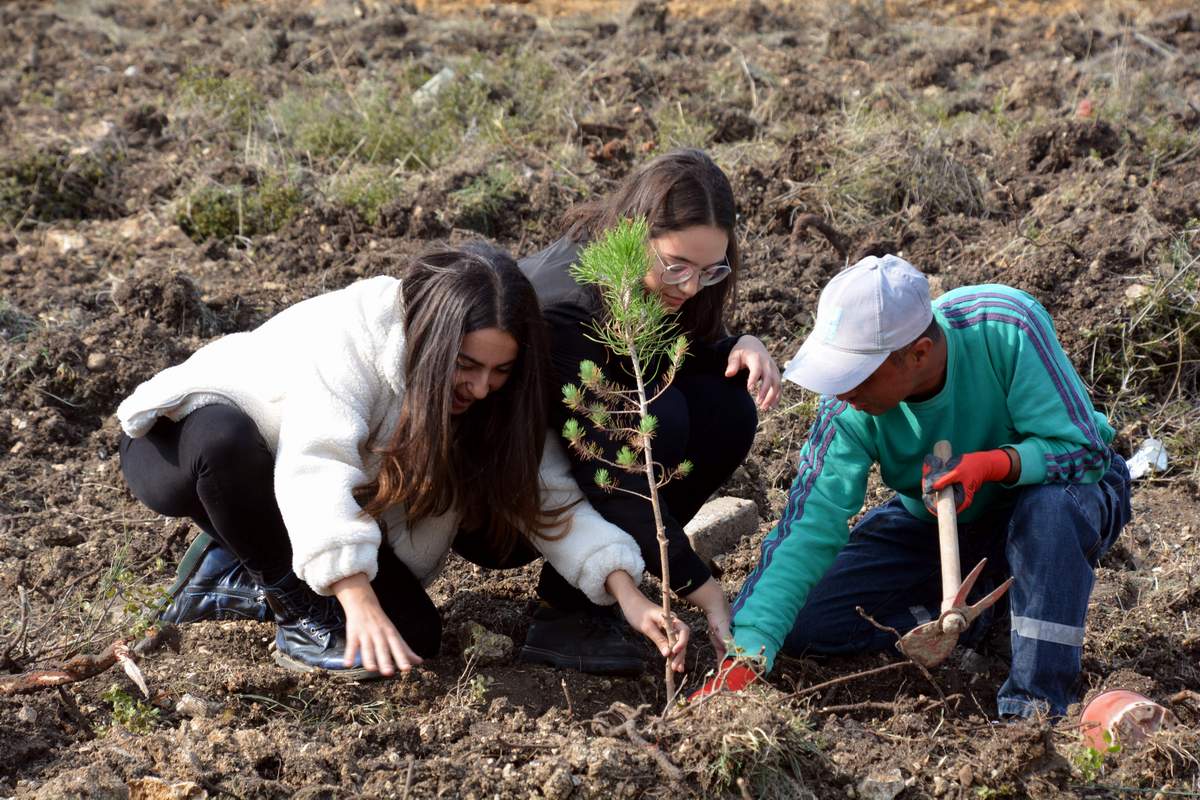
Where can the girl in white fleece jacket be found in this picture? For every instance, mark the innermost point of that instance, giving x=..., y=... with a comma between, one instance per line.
x=339, y=449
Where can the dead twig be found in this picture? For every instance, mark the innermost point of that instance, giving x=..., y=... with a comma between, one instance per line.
x=865, y=705
x=880, y=705
x=847, y=678
x=18, y=640
x=408, y=777
x=567, y=694
x=83, y=666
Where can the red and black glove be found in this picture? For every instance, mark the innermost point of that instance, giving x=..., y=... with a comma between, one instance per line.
x=966, y=473
x=731, y=677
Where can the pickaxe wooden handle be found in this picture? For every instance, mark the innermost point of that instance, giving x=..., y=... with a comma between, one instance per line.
x=952, y=620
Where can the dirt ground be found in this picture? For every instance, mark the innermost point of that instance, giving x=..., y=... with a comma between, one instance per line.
x=171, y=173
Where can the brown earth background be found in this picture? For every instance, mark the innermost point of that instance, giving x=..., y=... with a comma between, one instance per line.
x=173, y=172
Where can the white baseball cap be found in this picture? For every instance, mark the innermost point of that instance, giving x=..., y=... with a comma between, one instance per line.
x=866, y=312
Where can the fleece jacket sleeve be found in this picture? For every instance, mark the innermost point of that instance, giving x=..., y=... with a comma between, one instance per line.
x=319, y=462
x=585, y=549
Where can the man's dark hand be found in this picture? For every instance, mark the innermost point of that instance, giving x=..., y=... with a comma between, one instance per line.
x=965, y=473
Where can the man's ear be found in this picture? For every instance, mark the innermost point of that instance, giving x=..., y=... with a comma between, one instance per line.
x=921, y=349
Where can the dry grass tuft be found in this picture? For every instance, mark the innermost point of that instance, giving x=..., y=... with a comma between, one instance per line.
x=1145, y=366
x=750, y=742
x=882, y=163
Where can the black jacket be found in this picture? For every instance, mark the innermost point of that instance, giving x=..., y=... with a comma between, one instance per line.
x=570, y=310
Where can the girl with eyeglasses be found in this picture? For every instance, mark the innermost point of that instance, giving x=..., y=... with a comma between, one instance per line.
x=707, y=416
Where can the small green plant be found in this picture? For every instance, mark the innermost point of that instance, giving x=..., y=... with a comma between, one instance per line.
x=211, y=212
x=1089, y=761
x=677, y=128
x=995, y=792
x=634, y=326
x=472, y=687
x=479, y=202
x=367, y=189
x=477, y=690
x=51, y=184
x=130, y=713
x=129, y=598
x=236, y=99
x=217, y=211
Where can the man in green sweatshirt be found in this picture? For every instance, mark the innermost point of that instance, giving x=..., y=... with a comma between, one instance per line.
x=1039, y=491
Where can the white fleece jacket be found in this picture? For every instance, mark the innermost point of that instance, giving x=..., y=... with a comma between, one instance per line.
x=321, y=379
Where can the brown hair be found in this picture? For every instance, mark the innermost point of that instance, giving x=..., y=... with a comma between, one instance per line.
x=678, y=190
x=484, y=461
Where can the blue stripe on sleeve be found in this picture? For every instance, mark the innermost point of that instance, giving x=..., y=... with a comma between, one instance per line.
x=812, y=461
x=1078, y=410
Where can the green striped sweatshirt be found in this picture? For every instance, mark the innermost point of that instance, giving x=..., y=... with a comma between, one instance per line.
x=1008, y=384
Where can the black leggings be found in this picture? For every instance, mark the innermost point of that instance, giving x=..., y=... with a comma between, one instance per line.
x=703, y=417
x=214, y=467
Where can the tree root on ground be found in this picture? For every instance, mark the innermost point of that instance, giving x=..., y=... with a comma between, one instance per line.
x=85, y=665
x=840, y=242
x=627, y=726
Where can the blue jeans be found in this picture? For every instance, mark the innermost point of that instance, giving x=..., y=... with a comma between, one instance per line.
x=1050, y=540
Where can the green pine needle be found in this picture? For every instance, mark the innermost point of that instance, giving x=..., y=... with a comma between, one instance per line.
x=572, y=397
x=589, y=373
x=626, y=457
x=616, y=263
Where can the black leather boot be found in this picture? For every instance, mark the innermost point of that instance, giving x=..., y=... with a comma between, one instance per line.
x=596, y=640
x=310, y=630
x=212, y=584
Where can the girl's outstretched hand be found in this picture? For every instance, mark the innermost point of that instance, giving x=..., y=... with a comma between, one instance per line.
x=648, y=619
x=764, y=383
x=369, y=631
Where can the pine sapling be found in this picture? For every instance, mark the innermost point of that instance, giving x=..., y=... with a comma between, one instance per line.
x=635, y=325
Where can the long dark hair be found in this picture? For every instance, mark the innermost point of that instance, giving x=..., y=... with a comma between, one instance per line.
x=484, y=461
x=678, y=190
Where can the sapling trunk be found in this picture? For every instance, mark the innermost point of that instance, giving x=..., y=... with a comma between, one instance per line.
x=634, y=325
x=660, y=531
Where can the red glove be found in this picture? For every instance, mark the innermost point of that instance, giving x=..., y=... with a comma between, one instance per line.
x=966, y=473
x=732, y=677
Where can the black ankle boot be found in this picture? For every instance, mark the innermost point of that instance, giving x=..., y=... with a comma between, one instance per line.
x=310, y=630
x=595, y=640
x=212, y=584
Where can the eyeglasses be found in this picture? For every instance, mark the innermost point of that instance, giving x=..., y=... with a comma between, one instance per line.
x=675, y=274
